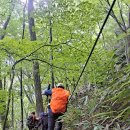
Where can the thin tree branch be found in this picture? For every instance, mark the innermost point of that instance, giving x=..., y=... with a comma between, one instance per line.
x=7, y=20
x=114, y=17
x=49, y=64
x=121, y=14
x=9, y=98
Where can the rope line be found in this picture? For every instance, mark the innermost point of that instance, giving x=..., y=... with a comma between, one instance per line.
x=93, y=46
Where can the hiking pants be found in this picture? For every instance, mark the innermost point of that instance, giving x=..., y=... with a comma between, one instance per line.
x=52, y=118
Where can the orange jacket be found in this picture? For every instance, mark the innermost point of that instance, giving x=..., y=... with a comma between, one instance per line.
x=59, y=100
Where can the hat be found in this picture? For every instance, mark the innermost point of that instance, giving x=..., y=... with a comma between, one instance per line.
x=60, y=85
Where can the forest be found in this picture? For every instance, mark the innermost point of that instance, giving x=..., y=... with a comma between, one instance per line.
x=84, y=44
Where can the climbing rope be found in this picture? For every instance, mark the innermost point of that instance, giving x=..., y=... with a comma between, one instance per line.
x=93, y=47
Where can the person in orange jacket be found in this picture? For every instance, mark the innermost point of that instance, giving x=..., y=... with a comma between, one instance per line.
x=58, y=105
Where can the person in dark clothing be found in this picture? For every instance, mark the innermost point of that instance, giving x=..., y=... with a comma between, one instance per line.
x=32, y=121
x=43, y=121
x=52, y=118
x=58, y=105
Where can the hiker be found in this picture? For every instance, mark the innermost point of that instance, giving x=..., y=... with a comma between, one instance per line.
x=58, y=105
x=43, y=121
x=32, y=121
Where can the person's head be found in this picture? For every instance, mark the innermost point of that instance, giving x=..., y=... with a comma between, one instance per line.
x=60, y=85
x=33, y=113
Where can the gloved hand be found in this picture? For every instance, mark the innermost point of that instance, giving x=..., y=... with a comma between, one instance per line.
x=43, y=92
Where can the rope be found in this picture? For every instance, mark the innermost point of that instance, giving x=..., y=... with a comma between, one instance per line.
x=93, y=46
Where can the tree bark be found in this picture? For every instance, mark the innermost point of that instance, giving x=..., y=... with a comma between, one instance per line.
x=37, y=84
x=36, y=74
x=21, y=96
x=9, y=99
x=12, y=112
x=4, y=117
x=2, y=37
x=51, y=54
x=31, y=21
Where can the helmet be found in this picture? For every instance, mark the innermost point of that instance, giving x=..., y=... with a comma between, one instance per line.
x=60, y=85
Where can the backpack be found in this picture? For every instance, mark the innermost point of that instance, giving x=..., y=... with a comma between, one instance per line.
x=59, y=100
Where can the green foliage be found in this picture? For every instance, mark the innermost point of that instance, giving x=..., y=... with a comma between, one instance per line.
x=75, y=25
x=3, y=98
x=72, y=117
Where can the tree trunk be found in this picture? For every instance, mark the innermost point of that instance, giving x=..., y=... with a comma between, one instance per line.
x=21, y=97
x=128, y=46
x=3, y=116
x=37, y=83
x=51, y=55
x=31, y=20
x=39, y=101
x=0, y=77
x=9, y=99
x=12, y=112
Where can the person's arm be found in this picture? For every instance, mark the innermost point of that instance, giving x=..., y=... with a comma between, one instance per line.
x=38, y=122
x=47, y=92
